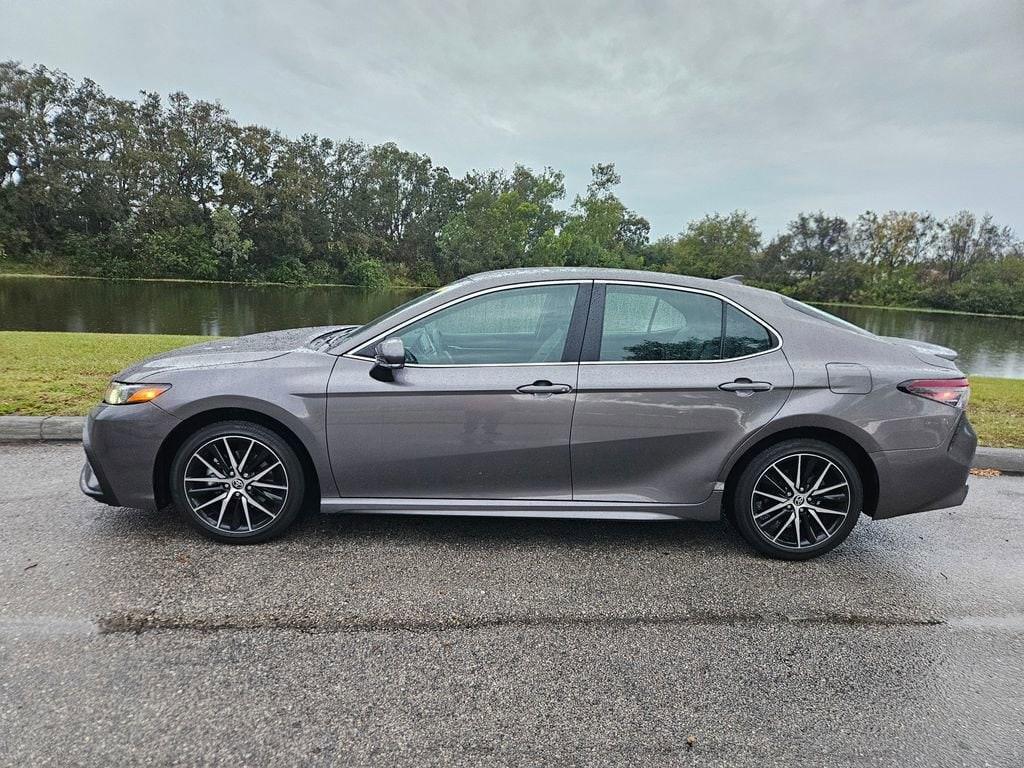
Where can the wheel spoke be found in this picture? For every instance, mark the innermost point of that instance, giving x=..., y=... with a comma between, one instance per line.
x=219, y=480
x=770, y=496
x=270, y=485
x=785, y=525
x=821, y=479
x=223, y=507
x=211, y=501
x=265, y=471
x=780, y=505
x=245, y=509
x=786, y=480
x=796, y=526
x=259, y=506
x=212, y=468
x=245, y=458
x=823, y=491
x=231, y=456
x=823, y=511
x=814, y=516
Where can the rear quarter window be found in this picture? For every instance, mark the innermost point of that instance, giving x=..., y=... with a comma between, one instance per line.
x=744, y=335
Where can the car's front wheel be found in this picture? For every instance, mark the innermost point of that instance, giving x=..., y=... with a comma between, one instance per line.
x=237, y=482
x=797, y=499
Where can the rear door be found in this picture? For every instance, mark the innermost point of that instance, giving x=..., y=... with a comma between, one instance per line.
x=482, y=408
x=671, y=380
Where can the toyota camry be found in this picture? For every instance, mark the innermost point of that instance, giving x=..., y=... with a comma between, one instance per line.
x=547, y=392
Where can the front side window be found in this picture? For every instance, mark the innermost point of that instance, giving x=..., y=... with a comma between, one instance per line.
x=518, y=325
x=648, y=324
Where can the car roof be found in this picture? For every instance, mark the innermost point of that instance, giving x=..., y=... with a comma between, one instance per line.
x=539, y=274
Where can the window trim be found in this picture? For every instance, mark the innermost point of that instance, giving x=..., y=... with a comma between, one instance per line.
x=587, y=301
x=595, y=328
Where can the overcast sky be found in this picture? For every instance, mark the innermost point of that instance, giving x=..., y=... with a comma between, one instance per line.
x=703, y=107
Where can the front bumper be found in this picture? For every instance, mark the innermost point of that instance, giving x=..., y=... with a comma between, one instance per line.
x=121, y=444
x=919, y=480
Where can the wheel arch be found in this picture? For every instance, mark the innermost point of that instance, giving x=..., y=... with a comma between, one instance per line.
x=840, y=440
x=177, y=436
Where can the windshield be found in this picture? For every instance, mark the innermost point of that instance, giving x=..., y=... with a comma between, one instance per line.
x=403, y=306
x=821, y=314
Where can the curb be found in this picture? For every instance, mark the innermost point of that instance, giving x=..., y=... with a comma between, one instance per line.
x=69, y=428
x=21, y=428
x=1003, y=459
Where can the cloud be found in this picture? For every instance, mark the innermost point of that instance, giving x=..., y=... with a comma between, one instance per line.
x=775, y=108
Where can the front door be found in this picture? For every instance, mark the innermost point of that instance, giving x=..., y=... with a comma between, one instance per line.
x=670, y=382
x=482, y=409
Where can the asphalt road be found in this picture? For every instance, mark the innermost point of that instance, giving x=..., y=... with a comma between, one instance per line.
x=375, y=640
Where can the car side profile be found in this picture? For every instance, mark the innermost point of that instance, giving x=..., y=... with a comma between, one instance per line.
x=547, y=392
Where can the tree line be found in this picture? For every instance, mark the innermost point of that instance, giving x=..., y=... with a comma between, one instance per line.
x=95, y=185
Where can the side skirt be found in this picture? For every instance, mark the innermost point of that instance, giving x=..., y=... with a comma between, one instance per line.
x=709, y=510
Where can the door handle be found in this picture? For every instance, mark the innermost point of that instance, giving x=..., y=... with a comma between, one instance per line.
x=745, y=385
x=544, y=388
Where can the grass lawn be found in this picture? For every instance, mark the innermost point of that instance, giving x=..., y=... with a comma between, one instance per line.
x=43, y=374
x=996, y=410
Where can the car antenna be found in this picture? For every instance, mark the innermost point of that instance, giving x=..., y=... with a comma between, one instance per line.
x=738, y=279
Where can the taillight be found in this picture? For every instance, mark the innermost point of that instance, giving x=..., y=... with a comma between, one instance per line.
x=949, y=391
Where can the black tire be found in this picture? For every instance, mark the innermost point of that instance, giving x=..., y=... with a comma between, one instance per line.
x=770, y=514
x=235, y=518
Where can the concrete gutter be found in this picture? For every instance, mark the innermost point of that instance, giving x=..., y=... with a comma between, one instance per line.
x=69, y=428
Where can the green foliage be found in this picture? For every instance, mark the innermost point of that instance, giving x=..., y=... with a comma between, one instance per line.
x=95, y=185
x=368, y=273
x=717, y=246
x=185, y=251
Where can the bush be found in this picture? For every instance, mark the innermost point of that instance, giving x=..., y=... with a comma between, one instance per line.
x=185, y=252
x=319, y=271
x=368, y=273
x=424, y=273
x=288, y=271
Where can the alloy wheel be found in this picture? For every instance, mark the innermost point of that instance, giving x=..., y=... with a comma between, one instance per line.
x=800, y=501
x=236, y=484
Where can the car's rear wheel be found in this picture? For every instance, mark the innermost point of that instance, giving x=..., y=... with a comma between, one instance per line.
x=797, y=499
x=237, y=482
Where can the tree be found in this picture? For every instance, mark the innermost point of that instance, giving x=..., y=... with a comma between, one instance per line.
x=893, y=240
x=600, y=230
x=506, y=221
x=718, y=245
x=816, y=242
x=965, y=242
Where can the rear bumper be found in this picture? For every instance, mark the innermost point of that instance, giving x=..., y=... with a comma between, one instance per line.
x=931, y=478
x=121, y=443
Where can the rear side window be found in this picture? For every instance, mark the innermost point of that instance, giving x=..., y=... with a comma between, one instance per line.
x=744, y=335
x=643, y=324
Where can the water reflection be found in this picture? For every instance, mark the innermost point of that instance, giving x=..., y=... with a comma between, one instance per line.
x=987, y=345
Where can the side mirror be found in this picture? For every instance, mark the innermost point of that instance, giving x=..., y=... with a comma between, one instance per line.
x=390, y=354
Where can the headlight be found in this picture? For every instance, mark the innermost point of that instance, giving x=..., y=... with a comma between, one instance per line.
x=119, y=393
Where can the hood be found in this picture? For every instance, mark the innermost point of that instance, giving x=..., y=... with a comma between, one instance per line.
x=241, y=349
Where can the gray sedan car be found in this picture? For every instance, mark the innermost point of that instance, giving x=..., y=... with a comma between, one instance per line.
x=581, y=393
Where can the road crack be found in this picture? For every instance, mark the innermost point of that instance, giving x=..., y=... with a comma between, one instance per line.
x=133, y=623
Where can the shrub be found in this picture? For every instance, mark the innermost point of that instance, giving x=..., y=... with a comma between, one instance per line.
x=368, y=273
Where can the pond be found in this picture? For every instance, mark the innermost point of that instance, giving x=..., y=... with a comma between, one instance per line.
x=988, y=346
